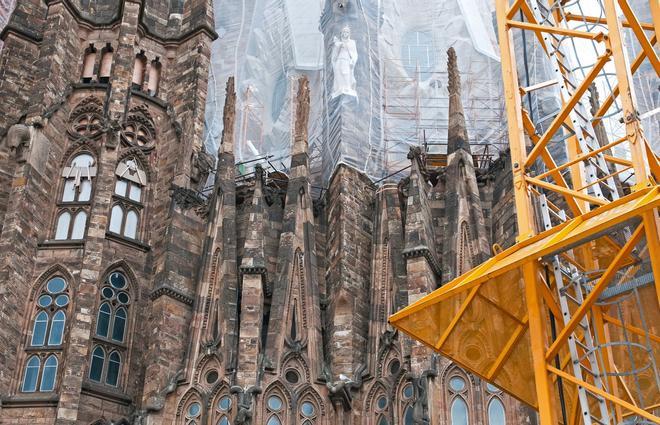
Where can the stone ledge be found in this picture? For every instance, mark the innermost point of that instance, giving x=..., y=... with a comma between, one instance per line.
x=172, y=293
x=423, y=251
x=128, y=242
x=65, y=244
x=106, y=393
x=24, y=400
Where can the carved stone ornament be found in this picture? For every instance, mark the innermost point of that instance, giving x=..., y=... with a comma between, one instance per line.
x=245, y=404
x=139, y=130
x=201, y=167
x=86, y=119
x=18, y=141
x=344, y=57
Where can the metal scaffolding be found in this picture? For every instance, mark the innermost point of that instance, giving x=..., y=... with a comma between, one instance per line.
x=568, y=319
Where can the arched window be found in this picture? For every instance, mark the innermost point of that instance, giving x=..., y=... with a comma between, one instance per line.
x=496, y=414
x=128, y=204
x=31, y=374
x=139, y=67
x=106, y=64
x=408, y=418
x=48, y=330
x=154, y=77
x=459, y=412
x=49, y=374
x=417, y=52
x=89, y=60
x=110, y=334
x=223, y=409
x=193, y=413
x=308, y=412
x=275, y=410
x=76, y=197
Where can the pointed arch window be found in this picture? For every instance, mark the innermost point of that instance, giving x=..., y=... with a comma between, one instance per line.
x=223, y=410
x=459, y=412
x=106, y=64
x=49, y=319
x=89, y=60
x=75, y=201
x=275, y=411
x=155, y=70
x=139, y=68
x=193, y=413
x=308, y=411
x=496, y=415
x=112, y=320
x=128, y=197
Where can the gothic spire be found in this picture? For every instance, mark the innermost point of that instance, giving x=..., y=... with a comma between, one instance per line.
x=457, y=137
x=228, y=118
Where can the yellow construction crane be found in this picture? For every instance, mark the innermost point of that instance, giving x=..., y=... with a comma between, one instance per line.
x=568, y=319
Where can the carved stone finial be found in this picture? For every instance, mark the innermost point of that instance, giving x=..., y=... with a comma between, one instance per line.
x=18, y=141
x=454, y=84
x=302, y=116
x=415, y=152
x=229, y=118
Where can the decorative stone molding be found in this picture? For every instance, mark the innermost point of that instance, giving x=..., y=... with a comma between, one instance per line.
x=423, y=251
x=165, y=290
x=189, y=198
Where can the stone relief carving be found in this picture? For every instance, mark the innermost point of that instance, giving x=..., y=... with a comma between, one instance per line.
x=342, y=389
x=157, y=401
x=201, y=167
x=245, y=404
x=18, y=141
x=139, y=130
x=344, y=57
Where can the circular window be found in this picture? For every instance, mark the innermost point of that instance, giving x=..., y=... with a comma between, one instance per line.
x=117, y=280
x=44, y=301
x=62, y=300
x=492, y=388
x=55, y=285
x=395, y=367
x=108, y=292
x=224, y=403
x=381, y=403
x=194, y=409
x=123, y=298
x=274, y=403
x=292, y=376
x=307, y=409
x=211, y=377
x=408, y=391
x=457, y=384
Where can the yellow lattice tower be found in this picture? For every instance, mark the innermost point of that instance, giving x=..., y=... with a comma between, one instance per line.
x=567, y=320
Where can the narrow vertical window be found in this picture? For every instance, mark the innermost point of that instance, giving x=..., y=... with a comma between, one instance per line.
x=79, y=225
x=88, y=64
x=39, y=329
x=130, y=228
x=116, y=219
x=114, y=365
x=154, y=77
x=139, y=68
x=106, y=64
x=119, y=325
x=49, y=374
x=103, y=320
x=459, y=412
x=496, y=414
x=57, y=328
x=31, y=375
x=63, y=223
x=96, y=365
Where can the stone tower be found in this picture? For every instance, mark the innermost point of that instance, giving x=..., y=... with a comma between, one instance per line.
x=143, y=281
x=101, y=163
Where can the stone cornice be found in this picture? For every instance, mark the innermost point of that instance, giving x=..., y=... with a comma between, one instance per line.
x=423, y=251
x=166, y=290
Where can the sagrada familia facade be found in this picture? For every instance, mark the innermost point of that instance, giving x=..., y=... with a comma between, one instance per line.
x=130, y=294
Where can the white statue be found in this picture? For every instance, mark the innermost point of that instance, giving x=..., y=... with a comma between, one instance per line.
x=344, y=57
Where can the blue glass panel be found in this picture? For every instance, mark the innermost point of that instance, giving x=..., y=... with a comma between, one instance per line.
x=119, y=325
x=55, y=285
x=96, y=365
x=114, y=365
x=57, y=328
x=31, y=375
x=103, y=320
x=459, y=412
x=39, y=330
x=496, y=414
x=49, y=374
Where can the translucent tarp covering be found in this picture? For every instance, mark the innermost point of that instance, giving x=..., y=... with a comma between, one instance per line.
x=400, y=78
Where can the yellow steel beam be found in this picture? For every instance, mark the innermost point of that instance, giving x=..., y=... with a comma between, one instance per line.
x=456, y=318
x=627, y=96
x=609, y=100
x=641, y=36
x=602, y=21
x=602, y=334
x=600, y=286
x=556, y=30
x=616, y=160
x=632, y=329
x=654, y=5
x=567, y=108
x=636, y=410
x=653, y=243
x=508, y=349
x=566, y=191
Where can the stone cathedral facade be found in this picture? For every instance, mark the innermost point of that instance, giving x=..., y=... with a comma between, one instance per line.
x=131, y=293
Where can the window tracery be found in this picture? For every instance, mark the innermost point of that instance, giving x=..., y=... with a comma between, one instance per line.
x=47, y=336
x=458, y=395
x=75, y=200
x=110, y=331
x=223, y=408
x=275, y=408
x=127, y=199
x=139, y=130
